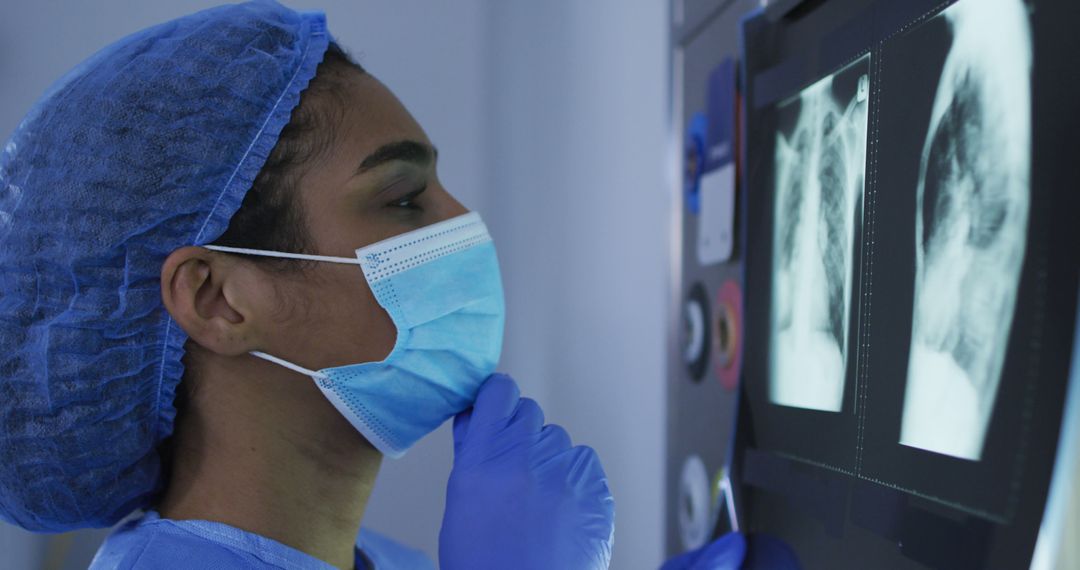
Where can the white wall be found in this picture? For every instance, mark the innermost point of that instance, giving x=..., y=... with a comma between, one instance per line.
x=549, y=117
x=21, y=549
x=579, y=212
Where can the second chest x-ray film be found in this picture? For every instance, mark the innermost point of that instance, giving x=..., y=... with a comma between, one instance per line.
x=971, y=217
x=908, y=296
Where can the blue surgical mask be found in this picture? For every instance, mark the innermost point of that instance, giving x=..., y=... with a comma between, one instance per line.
x=441, y=286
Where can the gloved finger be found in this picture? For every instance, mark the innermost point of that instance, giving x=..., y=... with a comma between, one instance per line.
x=586, y=472
x=497, y=401
x=767, y=552
x=589, y=483
x=528, y=418
x=554, y=440
x=461, y=428
x=684, y=561
x=724, y=553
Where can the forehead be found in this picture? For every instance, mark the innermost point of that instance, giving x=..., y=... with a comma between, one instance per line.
x=368, y=116
x=373, y=116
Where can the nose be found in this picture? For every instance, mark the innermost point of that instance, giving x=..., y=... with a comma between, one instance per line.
x=449, y=206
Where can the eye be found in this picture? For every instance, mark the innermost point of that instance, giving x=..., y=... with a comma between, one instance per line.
x=409, y=201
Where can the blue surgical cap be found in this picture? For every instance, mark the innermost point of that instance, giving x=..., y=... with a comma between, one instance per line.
x=148, y=146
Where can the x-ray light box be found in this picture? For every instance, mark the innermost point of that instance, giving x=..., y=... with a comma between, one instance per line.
x=911, y=275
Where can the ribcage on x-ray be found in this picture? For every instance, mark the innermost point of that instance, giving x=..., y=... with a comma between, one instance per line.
x=791, y=196
x=960, y=176
x=833, y=178
x=819, y=154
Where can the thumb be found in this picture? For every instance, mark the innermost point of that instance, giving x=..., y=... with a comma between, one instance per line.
x=496, y=403
x=461, y=429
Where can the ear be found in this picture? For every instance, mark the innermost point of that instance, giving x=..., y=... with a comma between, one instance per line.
x=208, y=295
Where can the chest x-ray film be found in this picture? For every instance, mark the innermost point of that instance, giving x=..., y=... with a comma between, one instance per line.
x=971, y=219
x=913, y=332
x=819, y=165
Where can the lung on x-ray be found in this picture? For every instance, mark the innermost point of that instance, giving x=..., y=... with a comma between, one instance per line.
x=819, y=168
x=970, y=229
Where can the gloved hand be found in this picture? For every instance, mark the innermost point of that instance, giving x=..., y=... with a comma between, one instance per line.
x=724, y=553
x=733, y=551
x=519, y=495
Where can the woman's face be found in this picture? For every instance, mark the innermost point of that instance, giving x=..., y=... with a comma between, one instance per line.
x=377, y=180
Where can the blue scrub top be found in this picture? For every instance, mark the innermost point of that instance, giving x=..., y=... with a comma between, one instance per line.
x=153, y=542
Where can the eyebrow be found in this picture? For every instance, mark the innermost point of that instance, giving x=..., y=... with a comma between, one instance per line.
x=405, y=151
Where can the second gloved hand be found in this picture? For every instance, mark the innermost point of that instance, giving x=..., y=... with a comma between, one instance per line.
x=734, y=551
x=519, y=495
x=725, y=553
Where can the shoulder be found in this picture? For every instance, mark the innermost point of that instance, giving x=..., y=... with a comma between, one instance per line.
x=386, y=554
x=160, y=545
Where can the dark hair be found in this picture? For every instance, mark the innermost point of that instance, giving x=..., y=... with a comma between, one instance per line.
x=271, y=216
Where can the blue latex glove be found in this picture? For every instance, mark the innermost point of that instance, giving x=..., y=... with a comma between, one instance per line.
x=724, y=553
x=767, y=552
x=733, y=551
x=519, y=495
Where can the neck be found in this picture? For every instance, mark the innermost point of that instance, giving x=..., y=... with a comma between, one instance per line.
x=259, y=448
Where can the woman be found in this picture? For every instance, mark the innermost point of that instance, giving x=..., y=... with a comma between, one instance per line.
x=230, y=282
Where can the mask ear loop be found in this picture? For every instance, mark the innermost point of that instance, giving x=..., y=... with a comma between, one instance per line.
x=264, y=253
x=294, y=367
